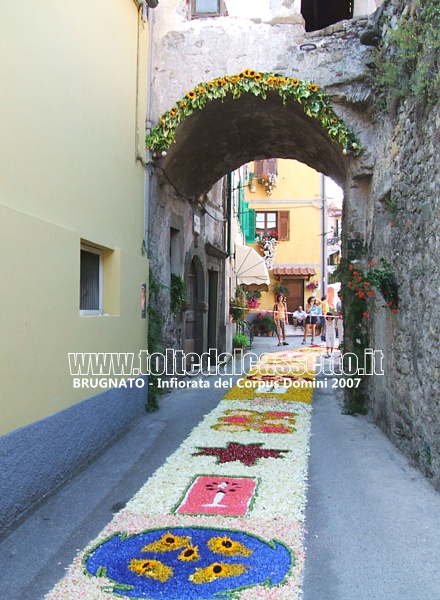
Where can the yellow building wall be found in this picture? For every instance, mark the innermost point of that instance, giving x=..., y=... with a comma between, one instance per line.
x=73, y=83
x=298, y=190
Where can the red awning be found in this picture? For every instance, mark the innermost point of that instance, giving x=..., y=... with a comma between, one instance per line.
x=301, y=271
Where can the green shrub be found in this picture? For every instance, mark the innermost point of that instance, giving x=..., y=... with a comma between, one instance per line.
x=407, y=61
x=177, y=294
x=240, y=340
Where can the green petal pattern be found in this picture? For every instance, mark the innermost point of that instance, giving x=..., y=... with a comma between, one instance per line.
x=315, y=102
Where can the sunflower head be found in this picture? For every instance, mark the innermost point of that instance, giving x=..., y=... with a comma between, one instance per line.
x=190, y=553
x=191, y=95
x=215, y=571
x=150, y=568
x=227, y=546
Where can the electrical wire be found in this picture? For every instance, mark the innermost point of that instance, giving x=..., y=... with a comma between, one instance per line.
x=190, y=199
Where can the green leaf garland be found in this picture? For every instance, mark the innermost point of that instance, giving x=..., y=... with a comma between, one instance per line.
x=315, y=102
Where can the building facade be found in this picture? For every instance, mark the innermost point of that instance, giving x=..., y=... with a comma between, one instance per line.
x=72, y=213
x=288, y=209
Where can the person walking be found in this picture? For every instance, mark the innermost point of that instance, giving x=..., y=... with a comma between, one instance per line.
x=280, y=318
x=340, y=322
x=312, y=318
x=324, y=310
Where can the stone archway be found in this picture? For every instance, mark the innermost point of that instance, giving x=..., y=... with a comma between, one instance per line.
x=258, y=115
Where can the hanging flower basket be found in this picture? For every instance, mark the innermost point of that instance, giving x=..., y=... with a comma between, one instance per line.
x=267, y=247
x=237, y=306
x=269, y=182
x=312, y=286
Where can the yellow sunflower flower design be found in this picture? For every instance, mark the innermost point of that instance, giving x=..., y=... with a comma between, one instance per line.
x=167, y=543
x=228, y=547
x=190, y=553
x=216, y=571
x=152, y=569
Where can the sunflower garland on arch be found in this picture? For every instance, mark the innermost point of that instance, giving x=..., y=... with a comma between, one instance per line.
x=316, y=103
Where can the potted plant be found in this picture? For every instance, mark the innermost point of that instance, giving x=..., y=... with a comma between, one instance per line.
x=240, y=341
x=267, y=246
x=312, y=286
x=281, y=288
x=264, y=324
x=269, y=182
x=237, y=306
x=252, y=298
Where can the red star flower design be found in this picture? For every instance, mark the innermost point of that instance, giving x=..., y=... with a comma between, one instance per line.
x=248, y=454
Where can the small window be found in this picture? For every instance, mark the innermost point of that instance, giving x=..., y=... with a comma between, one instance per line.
x=266, y=166
x=322, y=13
x=266, y=223
x=273, y=224
x=207, y=8
x=90, y=302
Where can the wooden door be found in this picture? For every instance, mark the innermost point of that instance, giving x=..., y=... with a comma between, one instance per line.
x=295, y=297
x=213, y=309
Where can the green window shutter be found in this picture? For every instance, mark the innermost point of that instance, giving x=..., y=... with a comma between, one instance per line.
x=250, y=232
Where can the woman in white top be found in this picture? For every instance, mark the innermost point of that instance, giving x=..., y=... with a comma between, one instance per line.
x=312, y=317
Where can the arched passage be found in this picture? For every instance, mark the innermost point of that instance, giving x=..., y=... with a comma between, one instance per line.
x=274, y=118
x=205, y=136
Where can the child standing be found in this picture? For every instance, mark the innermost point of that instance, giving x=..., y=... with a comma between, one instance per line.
x=330, y=334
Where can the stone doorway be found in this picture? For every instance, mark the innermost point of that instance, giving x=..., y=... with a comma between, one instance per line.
x=193, y=332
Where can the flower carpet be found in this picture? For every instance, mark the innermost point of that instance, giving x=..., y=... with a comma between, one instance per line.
x=223, y=517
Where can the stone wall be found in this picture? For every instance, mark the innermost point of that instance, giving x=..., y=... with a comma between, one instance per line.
x=183, y=230
x=402, y=214
x=187, y=52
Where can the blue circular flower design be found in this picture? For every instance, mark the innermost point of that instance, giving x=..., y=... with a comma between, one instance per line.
x=157, y=564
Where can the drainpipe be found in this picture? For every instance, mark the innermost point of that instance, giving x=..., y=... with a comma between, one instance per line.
x=148, y=125
x=324, y=235
x=229, y=212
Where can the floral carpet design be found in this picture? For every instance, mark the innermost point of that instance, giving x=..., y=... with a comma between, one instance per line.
x=265, y=422
x=223, y=517
x=219, y=496
x=248, y=454
x=188, y=562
